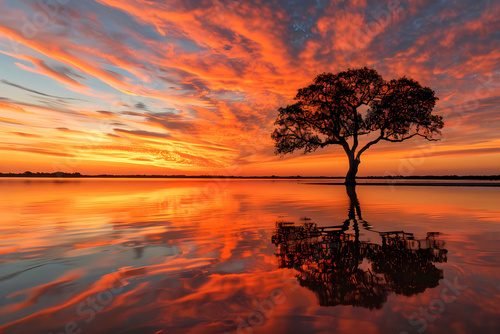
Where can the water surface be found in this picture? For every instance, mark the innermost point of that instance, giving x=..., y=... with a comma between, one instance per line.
x=206, y=256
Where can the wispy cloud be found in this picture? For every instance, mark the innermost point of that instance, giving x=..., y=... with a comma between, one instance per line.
x=33, y=90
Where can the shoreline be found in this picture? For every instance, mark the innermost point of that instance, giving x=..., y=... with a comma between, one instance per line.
x=409, y=182
x=415, y=184
x=269, y=177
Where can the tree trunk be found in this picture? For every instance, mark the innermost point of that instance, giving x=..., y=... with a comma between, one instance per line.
x=354, y=206
x=350, y=178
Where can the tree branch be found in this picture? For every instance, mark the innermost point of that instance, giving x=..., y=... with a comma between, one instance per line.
x=356, y=129
x=330, y=142
x=368, y=145
x=404, y=138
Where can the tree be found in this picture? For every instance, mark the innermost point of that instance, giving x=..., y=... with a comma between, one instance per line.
x=336, y=109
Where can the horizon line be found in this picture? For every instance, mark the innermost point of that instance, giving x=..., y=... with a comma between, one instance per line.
x=207, y=176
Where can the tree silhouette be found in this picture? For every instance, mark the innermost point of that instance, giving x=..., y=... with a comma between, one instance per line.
x=336, y=109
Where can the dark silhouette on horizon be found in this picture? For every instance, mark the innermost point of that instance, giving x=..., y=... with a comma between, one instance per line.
x=59, y=174
x=336, y=108
x=343, y=270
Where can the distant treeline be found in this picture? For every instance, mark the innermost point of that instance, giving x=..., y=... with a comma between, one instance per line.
x=400, y=177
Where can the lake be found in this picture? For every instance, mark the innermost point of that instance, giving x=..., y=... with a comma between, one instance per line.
x=246, y=256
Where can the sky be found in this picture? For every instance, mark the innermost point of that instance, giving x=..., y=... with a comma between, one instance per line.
x=193, y=86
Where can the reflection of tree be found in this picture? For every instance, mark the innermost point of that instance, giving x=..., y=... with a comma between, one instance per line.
x=343, y=270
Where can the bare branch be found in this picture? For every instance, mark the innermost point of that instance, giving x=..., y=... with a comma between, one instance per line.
x=368, y=145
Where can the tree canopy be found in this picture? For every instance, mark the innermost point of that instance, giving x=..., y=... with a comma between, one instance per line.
x=336, y=109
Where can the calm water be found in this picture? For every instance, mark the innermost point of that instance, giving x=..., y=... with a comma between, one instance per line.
x=204, y=256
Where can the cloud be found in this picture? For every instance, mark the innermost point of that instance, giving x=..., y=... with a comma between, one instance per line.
x=105, y=113
x=36, y=150
x=61, y=73
x=144, y=134
x=24, y=134
x=63, y=129
x=33, y=90
x=462, y=152
x=140, y=105
x=172, y=121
